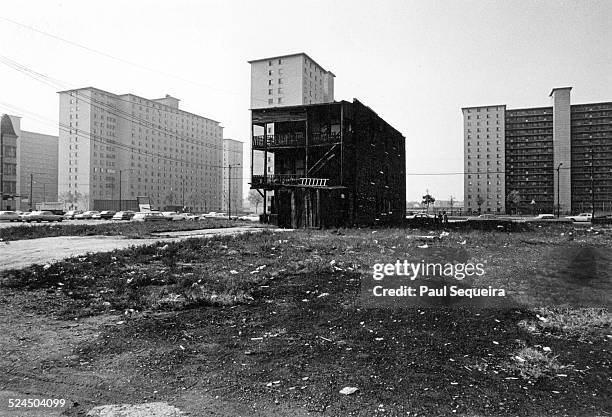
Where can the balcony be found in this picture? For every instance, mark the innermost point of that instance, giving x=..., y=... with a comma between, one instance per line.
x=294, y=139
x=260, y=181
x=264, y=181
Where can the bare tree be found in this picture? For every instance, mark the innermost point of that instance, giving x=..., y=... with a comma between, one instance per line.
x=255, y=199
x=514, y=199
x=480, y=201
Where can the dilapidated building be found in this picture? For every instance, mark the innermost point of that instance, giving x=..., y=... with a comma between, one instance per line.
x=335, y=164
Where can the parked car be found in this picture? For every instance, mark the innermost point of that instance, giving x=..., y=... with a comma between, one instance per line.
x=544, y=217
x=86, y=215
x=104, y=215
x=484, y=217
x=124, y=215
x=582, y=217
x=420, y=216
x=174, y=216
x=209, y=214
x=149, y=216
x=9, y=216
x=70, y=214
x=249, y=218
x=191, y=217
x=42, y=216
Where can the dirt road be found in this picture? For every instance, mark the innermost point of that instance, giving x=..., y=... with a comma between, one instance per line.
x=21, y=253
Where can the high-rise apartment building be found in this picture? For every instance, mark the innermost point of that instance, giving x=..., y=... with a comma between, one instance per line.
x=37, y=167
x=289, y=80
x=484, y=133
x=34, y=167
x=232, y=175
x=115, y=148
x=556, y=157
x=9, y=178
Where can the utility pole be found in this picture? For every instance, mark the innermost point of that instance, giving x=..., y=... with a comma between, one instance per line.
x=592, y=185
x=558, y=181
x=31, y=181
x=229, y=192
x=2, y=169
x=120, y=190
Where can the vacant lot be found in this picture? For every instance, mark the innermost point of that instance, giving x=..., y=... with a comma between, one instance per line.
x=277, y=324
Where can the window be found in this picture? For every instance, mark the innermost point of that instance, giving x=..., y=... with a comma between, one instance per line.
x=280, y=100
x=270, y=101
x=280, y=61
x=280, y=91
x=270, y=91
x=280, y=80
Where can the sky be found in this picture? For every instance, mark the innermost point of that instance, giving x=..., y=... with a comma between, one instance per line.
x=416, y=63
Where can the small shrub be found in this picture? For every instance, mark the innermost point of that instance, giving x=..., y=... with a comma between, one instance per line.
x=533, y=364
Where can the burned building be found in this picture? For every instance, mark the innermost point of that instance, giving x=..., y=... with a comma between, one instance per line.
x=335, y=164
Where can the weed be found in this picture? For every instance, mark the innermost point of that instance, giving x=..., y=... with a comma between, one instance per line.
x=532, y=364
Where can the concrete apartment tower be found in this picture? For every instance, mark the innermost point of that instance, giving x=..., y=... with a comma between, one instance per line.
x=9, y=178
x=546, y=156
x=562, y=150
x=289, y=80
x=484, y=154
x=114, y=149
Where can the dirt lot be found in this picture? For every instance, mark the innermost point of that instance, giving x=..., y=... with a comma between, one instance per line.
x=277, y=324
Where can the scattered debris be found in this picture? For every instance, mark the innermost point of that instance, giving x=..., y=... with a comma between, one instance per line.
x=348, y=390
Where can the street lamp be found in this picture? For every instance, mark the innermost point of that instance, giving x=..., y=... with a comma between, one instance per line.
x=558, y=181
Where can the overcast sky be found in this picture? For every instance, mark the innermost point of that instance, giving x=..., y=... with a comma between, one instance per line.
x=415, y=63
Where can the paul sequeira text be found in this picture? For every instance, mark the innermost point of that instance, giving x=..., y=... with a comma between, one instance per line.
x=444, y=291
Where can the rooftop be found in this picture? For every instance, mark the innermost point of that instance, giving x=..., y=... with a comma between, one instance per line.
x=289, y=56
x=144, y=98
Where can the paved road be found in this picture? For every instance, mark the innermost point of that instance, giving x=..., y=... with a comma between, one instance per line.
x=4, y=224
x=21, y=253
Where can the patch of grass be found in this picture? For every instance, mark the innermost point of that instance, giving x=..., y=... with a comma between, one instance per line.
x=128, y=229
x=533, y=364
x=580, y=323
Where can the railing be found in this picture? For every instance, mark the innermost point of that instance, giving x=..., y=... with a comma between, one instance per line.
x=280, y=139
x=287, y=179
x=275, y=179
x=294, y=139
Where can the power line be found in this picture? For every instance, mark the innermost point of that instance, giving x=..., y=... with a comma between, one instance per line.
x=100, y=105
x=122, y=60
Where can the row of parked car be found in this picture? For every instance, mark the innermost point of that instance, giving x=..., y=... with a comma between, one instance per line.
x=49, y=216
x=31, y=216
x=582, y=217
